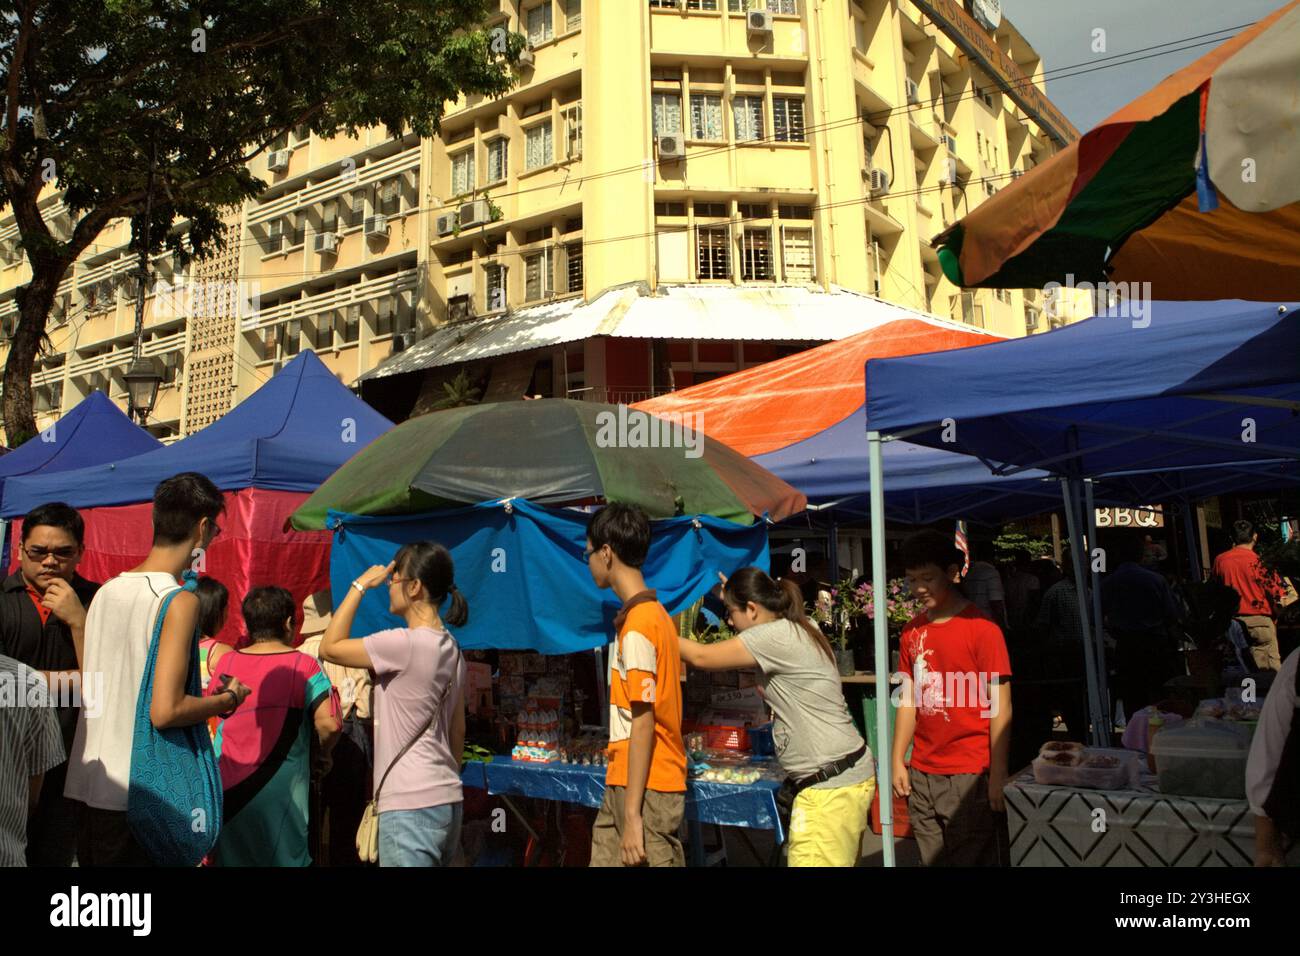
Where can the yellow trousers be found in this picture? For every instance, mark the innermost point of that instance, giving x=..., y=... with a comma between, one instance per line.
x=826, y=826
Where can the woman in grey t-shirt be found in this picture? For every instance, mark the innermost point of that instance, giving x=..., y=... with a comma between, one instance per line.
x=812, y=730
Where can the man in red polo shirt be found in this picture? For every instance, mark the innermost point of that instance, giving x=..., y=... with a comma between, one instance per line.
x=1239, y=568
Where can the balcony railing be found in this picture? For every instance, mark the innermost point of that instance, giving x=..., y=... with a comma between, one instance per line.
x=618, y=396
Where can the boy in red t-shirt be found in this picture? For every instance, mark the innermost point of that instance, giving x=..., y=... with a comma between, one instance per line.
x=954, y=709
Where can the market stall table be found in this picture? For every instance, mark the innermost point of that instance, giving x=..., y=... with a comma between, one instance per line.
x=751, y=806
x=1058, y=826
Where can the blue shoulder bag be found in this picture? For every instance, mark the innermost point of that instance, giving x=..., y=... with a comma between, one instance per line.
x=174, y=799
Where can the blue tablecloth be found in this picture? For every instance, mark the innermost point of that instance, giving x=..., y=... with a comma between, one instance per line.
x=725, y=804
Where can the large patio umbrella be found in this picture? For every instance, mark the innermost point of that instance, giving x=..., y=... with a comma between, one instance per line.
x=1193, y=187
x=552, y=452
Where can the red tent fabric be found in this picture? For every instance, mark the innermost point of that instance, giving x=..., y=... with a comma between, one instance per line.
x=252, y=550
x=774, y=405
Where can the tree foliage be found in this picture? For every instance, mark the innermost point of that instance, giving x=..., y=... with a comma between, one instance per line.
x=92, y=90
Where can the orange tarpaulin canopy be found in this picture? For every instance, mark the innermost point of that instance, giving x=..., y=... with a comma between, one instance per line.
x=776, y=404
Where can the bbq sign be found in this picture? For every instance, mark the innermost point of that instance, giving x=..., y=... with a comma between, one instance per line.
x=1148, y=517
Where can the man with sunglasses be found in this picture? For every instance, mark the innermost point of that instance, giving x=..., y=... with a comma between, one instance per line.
x=42, y=621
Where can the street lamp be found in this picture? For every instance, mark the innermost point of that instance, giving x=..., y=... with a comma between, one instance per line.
x=142, y=382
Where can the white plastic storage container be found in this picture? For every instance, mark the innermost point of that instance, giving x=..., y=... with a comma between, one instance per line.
x=1203, y=758
x=1122, y=774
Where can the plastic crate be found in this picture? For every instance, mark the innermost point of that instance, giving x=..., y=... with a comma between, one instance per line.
x=902, y=822
x=721, y=738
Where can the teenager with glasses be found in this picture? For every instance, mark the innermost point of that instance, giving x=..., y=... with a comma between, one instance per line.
x=419, y=702
x=42, y=624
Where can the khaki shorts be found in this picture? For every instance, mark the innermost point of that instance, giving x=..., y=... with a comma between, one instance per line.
x=661, y=818
x=952, y=820
x=1261, y=632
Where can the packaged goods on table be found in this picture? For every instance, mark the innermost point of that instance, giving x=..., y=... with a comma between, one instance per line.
x=539, y=735
x=1066, y=764
x=588, y=749
x=1205, y=757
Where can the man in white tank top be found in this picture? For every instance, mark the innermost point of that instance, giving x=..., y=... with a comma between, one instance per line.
x=119, y=626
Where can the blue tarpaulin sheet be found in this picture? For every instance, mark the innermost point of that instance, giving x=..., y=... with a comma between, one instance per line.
x=723, y=804
x=522, y=571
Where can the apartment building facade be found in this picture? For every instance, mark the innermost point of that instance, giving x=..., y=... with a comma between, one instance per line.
x=756, y=169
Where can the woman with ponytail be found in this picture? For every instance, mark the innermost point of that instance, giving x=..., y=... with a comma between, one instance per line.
x=419, y=702
x=830, y=775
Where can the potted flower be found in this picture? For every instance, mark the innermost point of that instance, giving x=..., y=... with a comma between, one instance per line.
x=833, y=612
x=900, y=606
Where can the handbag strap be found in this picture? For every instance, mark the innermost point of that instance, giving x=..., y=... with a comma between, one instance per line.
x=437, y=710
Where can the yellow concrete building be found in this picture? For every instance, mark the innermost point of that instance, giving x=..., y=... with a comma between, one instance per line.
x=676, y=189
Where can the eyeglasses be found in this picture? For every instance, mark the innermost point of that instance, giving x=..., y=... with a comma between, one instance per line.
x=59, y=554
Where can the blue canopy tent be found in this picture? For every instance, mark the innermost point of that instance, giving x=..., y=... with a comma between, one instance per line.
x=521, y=568
x=1204, y=392
x=93, y=432
x=266, y=454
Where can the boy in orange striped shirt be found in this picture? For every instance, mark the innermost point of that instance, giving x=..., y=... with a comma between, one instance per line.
x=645, y=785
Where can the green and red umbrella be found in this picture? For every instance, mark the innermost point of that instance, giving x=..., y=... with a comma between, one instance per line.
x=1193, y=187
x=554, y=452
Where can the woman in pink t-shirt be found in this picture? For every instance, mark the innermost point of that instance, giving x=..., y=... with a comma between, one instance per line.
x=419, y=702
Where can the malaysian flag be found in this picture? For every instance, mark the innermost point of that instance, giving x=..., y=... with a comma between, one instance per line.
x=962, y=545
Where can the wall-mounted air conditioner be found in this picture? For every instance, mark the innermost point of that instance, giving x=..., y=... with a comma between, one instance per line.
x=759, y=23
x=670, y=146
x=278, y=161
x=475, y=213
x=326, y=243
x=446, y=224
x=879, y=179
x=913, y=90
x=376, y=226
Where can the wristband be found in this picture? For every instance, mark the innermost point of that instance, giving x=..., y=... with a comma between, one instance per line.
x=360, y=588
x=234, y=706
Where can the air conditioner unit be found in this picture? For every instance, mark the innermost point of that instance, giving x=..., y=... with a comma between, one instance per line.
x=951, y=173
x=326, y=243
x=446, y=224
x=527, y=59
x=759, y=23
x=671, y=146
x=879, y=181
x=913, y=90
x=475, y=213
x=278, y=161
x=376, y=226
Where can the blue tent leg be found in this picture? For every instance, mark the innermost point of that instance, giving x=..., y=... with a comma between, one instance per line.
x=884, y=766
x=1079, y=555
x=1099, y=648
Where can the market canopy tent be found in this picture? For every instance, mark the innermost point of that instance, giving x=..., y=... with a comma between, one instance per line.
x=266, y=454
x=1192, y=386
x=803, y=418
x=94, y=432
x=1192, y=187
x=522, y=570
x=552, y=452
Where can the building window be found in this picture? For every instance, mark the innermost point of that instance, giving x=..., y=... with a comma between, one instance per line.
x=573, y=267
x=714, y=244
x=324, y=335
x=539, y=148
x=539, y=23
x=459, y=308
x=789, y=211
x=494, y=298
x=384, y=310
x=571, y=117
x=537, y=276
x=667, y=109
x=787, y=117
x=706, y=116
x=702, y=5
x=966, y=309
x=748, y=112
x=664, y=4
x=788, y=7
x=572, y=14
x=1031, y=319
x=498, y=159
x=756, y=254
x=354, y=207
x=291, y=338
x=390, y=198
x=797, y=254
x=462, y=173
x=351, y=324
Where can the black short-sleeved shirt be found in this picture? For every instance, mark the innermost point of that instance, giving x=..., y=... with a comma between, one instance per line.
x=42, y=647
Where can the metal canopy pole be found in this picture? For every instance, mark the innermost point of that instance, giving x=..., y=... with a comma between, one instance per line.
x=1099, y=632
x=1193, y=547
x=880, y=622
x=1079, y=556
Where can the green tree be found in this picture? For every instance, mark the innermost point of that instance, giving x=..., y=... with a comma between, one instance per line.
x=92, y=90
x=460, y=392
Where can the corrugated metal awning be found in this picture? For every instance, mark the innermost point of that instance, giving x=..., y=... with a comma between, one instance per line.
x=777, y=313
